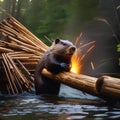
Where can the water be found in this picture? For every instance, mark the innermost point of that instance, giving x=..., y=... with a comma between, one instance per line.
x=69, y=105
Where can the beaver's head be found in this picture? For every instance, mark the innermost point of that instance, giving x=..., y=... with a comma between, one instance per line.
x=63, y=49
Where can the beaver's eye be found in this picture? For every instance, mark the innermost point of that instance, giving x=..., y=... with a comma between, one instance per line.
x=64, y=43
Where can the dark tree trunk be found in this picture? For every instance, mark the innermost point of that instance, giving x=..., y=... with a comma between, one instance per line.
x=18, y=12
x=13, y=5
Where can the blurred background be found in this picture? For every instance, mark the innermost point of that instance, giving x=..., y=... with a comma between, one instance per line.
x=97, y=20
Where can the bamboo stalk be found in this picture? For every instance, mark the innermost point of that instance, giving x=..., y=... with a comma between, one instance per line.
x=25, y=71
x=30, y=65
x=24, y=48
x=7, y=33
x=36, y=40
x=20, y=28
x=5, y=50
x=7, y=67
x=7, y=86
x=8, y=78
x=27, y=33
x=18, y=83
x=12, y=70
x=25, y=57
x=24, y=81
x=5, y=22
x=27, y=45
x=8, y=29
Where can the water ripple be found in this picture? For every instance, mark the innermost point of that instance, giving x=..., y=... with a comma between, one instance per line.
x=55, y=108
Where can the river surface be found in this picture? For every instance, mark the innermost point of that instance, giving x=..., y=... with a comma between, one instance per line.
x=71, y=104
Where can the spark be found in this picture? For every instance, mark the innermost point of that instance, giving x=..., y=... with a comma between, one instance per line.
x=92, y=65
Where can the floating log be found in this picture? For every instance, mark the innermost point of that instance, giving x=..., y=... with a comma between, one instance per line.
x=105, y=87
x=85, y=83
x=110, y=88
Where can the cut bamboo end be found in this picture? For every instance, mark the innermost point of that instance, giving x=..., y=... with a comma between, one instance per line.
x=99, y=84
x=110, y=88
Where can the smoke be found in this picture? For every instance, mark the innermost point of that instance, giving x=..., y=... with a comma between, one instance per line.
x=105, y=31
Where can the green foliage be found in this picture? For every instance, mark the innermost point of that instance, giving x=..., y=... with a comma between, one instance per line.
x=56, y=18
x=54, y=21
x=80, y=14
x=118, y=48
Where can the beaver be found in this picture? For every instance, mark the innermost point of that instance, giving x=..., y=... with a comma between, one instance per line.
x=56, y=59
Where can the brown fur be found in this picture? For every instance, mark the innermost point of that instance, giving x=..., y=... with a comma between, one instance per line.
x=56, y=59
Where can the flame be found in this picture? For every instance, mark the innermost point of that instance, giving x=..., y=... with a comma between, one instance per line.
x=78, y=57
x=76, y=64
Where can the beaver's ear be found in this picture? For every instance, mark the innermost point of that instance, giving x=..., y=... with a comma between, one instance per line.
x=57, y=41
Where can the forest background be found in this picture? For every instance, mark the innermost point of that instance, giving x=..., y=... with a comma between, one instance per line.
x=98, y=20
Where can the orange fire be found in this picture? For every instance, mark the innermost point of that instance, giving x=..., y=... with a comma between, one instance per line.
x=78, y=57
x=76, y=64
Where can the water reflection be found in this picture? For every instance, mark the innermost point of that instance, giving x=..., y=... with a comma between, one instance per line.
x=30, y=106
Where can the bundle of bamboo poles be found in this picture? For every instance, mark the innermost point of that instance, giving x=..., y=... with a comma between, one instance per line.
x=20, y=51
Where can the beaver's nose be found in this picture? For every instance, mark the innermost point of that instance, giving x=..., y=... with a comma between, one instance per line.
x=72, y=49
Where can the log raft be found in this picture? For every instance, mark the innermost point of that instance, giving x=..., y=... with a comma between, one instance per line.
x=20, y=51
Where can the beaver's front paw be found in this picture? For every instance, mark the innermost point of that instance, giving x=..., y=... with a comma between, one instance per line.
x=65, y=66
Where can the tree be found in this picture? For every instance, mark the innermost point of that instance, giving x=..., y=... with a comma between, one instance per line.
x=55, y=19
x=80, y=15
x=34, y=14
